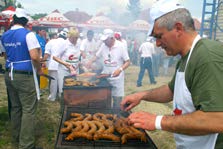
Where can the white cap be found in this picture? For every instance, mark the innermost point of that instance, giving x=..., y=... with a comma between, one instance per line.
x=107, y=33
x=19, y=12
x=63, y=33
x=81, y=35
x=66, y=30
x=161, y=8
x=149, y=38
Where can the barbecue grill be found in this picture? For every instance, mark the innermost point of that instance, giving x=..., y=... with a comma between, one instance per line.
x=93, y=99
x=88, y=96
x=78, y=143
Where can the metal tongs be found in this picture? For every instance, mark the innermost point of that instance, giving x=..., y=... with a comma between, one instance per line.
x=124, y=113
x=47, y=76
x=100, y=76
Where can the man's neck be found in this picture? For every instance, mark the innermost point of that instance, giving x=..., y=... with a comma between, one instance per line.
x=188, y=43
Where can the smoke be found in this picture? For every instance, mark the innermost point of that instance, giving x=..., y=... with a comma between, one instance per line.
x=90, y=6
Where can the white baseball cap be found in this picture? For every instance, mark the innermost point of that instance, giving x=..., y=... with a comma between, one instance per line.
x=66, y=30
x=149, y=38
x=107, y=33
x=81, y=35
x=63, y=33
x=19, y=12
x=161, y=8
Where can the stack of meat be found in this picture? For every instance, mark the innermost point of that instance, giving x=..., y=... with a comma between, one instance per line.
x=100, y=126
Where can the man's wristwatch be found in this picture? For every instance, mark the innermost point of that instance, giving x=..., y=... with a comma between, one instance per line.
x=121, y=69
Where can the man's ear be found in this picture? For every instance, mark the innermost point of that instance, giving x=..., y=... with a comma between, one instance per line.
x=179, y=26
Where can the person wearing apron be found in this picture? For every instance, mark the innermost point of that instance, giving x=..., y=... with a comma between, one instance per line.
x=196, y=87
x=182, y=101
x=22, y=54
x=114, y=59
x=68, y=58
x=52, y=48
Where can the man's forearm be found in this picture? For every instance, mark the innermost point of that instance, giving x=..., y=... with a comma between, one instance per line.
x=126, y=65
x=37, y=65
x=196, y=123
x=35, y=59
x=162, y=94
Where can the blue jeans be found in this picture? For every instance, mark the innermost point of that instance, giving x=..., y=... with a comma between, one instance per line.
x=156, y=64
x=116, y=101
x=146, y=63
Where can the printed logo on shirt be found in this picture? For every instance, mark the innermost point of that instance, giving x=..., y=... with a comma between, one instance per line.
x=109, y=63
x=12, y=44
x=177, y=111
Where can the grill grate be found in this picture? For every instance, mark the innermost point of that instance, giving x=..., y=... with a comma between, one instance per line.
x=81, y=142
x=103, y=83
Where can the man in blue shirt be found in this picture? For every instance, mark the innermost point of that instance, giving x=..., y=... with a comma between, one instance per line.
x=22, y=62
x=40, y=35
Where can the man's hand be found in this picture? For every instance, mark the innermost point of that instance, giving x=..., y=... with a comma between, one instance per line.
x=130, y=101
x=142, y=120
x=116, y=73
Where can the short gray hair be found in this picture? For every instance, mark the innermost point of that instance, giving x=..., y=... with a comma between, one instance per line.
x=179, y=15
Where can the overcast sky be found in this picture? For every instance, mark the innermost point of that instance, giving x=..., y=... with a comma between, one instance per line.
x=92, y=7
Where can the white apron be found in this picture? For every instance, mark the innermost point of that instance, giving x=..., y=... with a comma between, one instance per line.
x=34, y=75
x=183, y=104
x=110, y=64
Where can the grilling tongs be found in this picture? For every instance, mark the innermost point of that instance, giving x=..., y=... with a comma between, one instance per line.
x=47, y=76
x=124, y=113
x=104, y=76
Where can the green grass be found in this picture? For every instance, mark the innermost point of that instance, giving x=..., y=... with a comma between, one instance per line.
x=4, y=127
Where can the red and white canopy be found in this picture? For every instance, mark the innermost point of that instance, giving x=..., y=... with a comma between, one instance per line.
x=10, y=11
x=55, y=19
x=4, y=19
x=7, y=13
x=139, y=25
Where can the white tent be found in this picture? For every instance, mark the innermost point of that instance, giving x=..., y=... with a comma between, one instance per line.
x=55, y=19
x=102, y=22
x=139, y=25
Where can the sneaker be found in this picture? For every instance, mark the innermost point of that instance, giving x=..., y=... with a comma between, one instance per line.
x=138, y=85
x=153, y=82
x=50, y=98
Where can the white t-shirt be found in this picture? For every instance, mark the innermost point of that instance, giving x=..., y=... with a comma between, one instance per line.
x=52, y=48
x=32, y=41
x=112, y=60
x=124, y=42
x=147, y=49
x=69, y=50
x=89, y=47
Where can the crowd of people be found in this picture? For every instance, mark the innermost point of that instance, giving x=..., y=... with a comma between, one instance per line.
x=195, y=88
x=65, y=54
